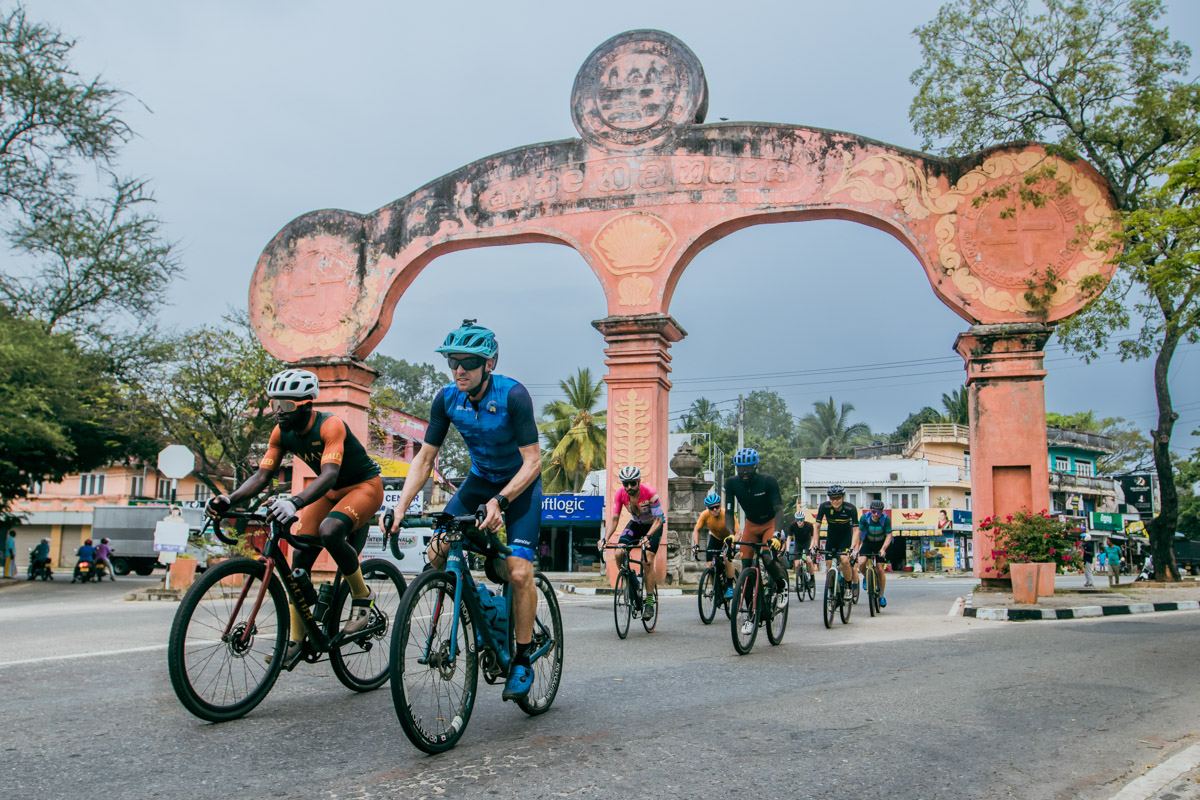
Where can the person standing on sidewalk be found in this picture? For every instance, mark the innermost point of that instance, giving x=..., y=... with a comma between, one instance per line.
x=1088, y=554
x=1112, y=553
x=8, y=557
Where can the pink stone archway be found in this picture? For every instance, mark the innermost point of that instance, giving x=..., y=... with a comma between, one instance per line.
x=648, y=186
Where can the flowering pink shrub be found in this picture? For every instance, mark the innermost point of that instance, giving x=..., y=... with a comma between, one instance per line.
x=1025, y=536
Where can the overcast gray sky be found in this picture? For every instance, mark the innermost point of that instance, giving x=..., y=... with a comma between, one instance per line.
x=257, y=112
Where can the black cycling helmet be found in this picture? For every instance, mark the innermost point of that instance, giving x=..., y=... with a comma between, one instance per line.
x=837, y=490
x=104, y=540
x=877, y=505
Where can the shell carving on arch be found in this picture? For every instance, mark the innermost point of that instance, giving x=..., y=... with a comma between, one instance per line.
x=634, y=243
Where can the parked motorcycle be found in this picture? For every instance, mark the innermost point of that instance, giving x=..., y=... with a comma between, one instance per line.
x=89, y=570
x=39, y=568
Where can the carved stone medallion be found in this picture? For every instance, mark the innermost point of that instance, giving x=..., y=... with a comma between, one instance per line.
x=636, y=91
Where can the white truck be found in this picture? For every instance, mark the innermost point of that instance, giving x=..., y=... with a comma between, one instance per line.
x=130, y=533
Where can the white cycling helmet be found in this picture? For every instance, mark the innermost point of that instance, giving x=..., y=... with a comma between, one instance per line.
x=629, y=473
x=293, y=383
x=799, y=516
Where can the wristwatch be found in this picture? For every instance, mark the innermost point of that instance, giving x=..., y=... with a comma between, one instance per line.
x=502, y=502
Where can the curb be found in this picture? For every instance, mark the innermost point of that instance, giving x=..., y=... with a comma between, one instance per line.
x=1081, y=612
x=607, y=590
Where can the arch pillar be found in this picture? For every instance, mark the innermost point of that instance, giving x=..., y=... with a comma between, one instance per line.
x=638, y=361
x=1007, y=410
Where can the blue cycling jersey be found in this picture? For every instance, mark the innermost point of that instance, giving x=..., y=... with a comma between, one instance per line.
x=495, y=430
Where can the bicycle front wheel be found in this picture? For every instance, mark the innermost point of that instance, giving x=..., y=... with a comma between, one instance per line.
x=434, y=665
x=830, y=604
x=706, y=596
x=221, y=663
x=649, y=622
x=361, y=664
x=872, y=591
x=622, y=603
x=547, y=633
x=799, y=584
x=743, y=625
x=777, y=622
x=812, y=585
x=846, y=605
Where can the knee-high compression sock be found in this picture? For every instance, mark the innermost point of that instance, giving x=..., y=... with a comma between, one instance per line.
x=298, y=628
x=358, y=587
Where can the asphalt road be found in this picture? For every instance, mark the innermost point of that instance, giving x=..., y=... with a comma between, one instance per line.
x=911, y=704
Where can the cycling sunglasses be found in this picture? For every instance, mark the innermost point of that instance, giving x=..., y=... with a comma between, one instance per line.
x=630, y=484
x=282, y=406
x=469, y=363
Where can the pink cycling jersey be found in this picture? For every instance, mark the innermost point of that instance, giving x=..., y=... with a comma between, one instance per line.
x=642, y=509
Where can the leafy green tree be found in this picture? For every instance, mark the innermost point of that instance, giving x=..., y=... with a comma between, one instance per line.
x=410, y=388
x=1098, y=79
x=702, y=416
x=576, y=434
x=60, y=412
x=955, y=407
x=828, y=431
x=1187, y=481
x=212, y=398
x=913, y=422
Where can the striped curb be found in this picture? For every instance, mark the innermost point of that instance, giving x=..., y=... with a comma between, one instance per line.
x=1082, y=612
x=607, y=590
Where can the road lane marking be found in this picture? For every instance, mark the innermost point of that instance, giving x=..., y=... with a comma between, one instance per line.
x=93, y=654
x=1158, y=778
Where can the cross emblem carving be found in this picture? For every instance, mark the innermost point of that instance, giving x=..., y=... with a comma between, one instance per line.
x=1018, y=225
x=313, y=287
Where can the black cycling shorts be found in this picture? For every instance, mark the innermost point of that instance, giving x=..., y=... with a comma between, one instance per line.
x=634, y=532
x=870, y=549
x=838, y=543
x=714, y=545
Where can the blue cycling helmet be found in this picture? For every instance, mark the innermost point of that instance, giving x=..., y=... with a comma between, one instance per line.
x=713, y=499
x=746, y=457
x=470, y=338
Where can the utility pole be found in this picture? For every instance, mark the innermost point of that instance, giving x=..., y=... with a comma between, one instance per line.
x=741, y=444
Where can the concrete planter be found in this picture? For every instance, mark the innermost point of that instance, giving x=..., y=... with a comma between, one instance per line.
x=183, y=573
x=1024, y=582
x=1045, y=578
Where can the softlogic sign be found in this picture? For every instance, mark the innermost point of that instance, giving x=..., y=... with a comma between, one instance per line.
x=573, y=507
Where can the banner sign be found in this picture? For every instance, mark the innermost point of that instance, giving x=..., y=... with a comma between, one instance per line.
x=920, y=519
x=572, y=507
x=1139, y=493
x=1106, y=522
x=962, y=519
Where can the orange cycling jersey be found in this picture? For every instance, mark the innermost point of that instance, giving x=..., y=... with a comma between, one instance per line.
x=717, y=525
x=328, y=440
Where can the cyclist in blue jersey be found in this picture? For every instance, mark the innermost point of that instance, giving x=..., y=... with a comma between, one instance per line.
x=494, y=414
x=876, y=537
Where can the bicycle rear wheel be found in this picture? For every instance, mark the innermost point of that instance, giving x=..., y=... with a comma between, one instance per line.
x=706, y=596
x=362, y=663
x=547, y=670
x=433, y=693
x=777, y=621
x=799, y=583
x=222, y=666
x=622, y=603
x=847, y=604
x=746, y=596
x=650, y=623
x=830, y=605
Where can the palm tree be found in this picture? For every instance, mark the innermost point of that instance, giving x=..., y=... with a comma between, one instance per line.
x=828, y=432
x=576, y=437
x=955, y=404
x=701, y=417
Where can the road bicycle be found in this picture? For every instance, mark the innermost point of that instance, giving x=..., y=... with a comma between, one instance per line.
x=714, y=585
x=806, y=583
x=629, y=593
x=838, y=597
x=230, y=632
x=449, y=629
x=872, y=578
x=758, y=602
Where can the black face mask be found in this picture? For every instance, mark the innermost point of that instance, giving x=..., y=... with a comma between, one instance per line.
x=294, y=420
